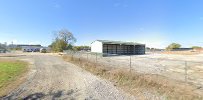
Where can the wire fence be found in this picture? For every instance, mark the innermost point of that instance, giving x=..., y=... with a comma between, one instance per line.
x=190, y=72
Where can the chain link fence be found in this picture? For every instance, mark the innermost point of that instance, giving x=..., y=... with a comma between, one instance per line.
x=185, y=71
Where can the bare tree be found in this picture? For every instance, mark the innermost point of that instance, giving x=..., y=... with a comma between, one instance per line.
x=67, y=36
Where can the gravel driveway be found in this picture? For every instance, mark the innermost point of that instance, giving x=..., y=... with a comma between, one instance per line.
x=52, y=78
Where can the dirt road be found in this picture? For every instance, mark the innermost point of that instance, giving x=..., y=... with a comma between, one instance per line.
x=52, y=78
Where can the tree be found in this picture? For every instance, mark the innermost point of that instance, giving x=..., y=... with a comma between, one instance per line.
x=196, y=47
x=66, y=36
x=79, y=48
x=63, y=41
x=173, y=46
x=70, y=47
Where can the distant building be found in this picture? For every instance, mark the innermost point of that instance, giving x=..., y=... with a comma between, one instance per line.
x=117, y=47
x=25, y=47
x=153, y=49
x=31, y=48
x=182, y=49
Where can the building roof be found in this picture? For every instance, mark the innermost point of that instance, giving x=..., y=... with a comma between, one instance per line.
x=38, y=45
x=119, y=42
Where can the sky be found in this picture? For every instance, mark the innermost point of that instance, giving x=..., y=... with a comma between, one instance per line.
x=156, y=23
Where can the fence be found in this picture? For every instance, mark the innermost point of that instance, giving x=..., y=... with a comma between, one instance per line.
x=185, y=71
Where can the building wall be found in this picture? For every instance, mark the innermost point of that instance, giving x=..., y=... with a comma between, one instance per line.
x=30, y=48
x=96, y=46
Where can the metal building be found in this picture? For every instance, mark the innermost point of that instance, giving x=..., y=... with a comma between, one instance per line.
x=117, y=47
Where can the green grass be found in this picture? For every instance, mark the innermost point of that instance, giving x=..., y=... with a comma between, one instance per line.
x=10, y=70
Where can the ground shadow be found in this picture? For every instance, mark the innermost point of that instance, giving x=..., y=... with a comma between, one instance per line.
x=71, y=94
x=11, y=55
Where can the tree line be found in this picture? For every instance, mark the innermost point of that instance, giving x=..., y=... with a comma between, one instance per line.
x=64, y=40
x=176, y=46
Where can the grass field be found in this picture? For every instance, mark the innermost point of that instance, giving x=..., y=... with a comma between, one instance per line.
x=10, y=70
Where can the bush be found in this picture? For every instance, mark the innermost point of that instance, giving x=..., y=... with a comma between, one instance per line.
x=173, y=46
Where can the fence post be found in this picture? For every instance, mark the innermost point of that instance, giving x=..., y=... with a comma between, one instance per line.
x=186, y=73
x=95, y=60
x=96, y=57
x=72, y=56
x=87, y=57
x=130, y=63
x=79, y=59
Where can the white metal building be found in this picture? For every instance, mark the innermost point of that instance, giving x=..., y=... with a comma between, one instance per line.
x=117, y=47
x=29, y=48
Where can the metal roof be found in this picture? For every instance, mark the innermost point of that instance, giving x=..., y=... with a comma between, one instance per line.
x=119, y=42
x=38, y=45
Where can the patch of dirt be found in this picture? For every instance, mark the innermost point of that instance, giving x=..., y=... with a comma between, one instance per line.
x=182, y=52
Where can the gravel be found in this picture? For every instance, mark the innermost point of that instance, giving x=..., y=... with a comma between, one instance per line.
x=52, y=78
x=171, y=66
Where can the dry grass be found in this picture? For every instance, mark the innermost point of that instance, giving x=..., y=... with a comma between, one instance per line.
x=182, y=52
x=135, y=83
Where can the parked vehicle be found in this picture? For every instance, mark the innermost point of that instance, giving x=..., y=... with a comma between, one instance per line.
x=43, y=50
x=2, y=50
x=27, y=50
